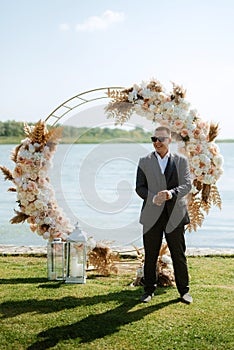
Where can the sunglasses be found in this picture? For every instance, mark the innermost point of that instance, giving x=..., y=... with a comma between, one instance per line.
x=160, y=139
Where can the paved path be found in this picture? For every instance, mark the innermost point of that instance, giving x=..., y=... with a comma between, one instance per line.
x=42, y=250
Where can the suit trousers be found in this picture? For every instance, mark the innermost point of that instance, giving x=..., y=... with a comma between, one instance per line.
x=176, y=243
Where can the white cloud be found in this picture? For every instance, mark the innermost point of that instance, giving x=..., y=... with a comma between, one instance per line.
x=64, y=27
x=102, y=22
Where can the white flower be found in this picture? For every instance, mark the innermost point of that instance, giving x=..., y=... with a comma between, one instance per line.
x=31, y=148
x=37, y=220
x=208, y=179
x=217, y=173
x=152, y=108
x=36, y=145
x=147, y=93
x=204, y=159
x=190, y=148
x=170, y=267
x=46, y=235
x=195, y=161
x=218, y=160
x=198, y=172
x=139, y=102
x=136, y=87
x=140, y=272
x=38, y=204
x=166, y=259
x=132, y=96
x=48, y=221
x=193, y=190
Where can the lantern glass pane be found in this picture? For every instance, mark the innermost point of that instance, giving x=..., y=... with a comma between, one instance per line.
x=55, y=259
x=76, y=262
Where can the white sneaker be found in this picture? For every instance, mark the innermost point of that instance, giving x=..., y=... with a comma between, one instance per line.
x=187, y=298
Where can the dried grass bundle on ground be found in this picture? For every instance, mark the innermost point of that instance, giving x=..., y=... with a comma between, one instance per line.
x=103, y=259
x=164, y=273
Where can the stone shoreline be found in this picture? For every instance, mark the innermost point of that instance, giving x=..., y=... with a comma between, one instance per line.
x=42, y=251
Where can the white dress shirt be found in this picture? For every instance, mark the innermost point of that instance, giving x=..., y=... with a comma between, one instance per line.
x=162, y=161
x=163, y=164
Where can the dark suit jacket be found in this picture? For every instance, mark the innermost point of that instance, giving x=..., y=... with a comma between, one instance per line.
x=150, y=181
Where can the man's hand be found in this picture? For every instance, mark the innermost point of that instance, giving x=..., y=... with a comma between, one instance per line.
x=161, y=197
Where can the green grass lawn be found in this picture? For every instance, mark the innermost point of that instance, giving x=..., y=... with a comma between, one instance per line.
x=105, y=313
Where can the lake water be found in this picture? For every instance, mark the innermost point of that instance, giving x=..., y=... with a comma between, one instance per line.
x=94, y=184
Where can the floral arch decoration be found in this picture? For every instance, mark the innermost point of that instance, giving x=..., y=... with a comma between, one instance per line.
x=195, y=138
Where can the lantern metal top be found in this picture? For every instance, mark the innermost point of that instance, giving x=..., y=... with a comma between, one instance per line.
x=77, y=235
x=57, y=240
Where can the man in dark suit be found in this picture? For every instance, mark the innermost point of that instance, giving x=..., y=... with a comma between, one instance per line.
x=163, y=180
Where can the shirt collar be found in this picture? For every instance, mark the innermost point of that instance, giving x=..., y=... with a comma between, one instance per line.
x=167, y=155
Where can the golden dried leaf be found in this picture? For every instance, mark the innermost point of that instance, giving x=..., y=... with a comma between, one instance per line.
x=205, y=192
x=7, y=173
x=155, y=85
x=37, y=133
x=195, y=213
x=33, y=227
x=28, y=129
x=215, y=196
x=119, y=95
x=163, y=249
x=103, y=260
x=20, y=217
x=15, y=152
x=213, y=131
x=11, y=189
x=178, y=92
x=206, y=205
x=54, y=135
x=197, y=184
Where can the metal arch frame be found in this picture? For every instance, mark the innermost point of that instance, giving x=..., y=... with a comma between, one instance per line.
x=108, y=93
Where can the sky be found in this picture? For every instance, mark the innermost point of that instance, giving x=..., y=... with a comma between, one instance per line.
x=52, y=50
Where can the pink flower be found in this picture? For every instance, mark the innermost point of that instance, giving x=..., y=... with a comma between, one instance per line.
x=18, y=171
x=202, y=125
x=213, y=150
x=31, y=186
x=198, y=149
x=178, y=124
x=196, y=133
x=184, y=132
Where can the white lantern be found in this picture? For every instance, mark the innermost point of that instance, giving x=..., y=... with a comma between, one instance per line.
x=76, y=257
x=56, y=260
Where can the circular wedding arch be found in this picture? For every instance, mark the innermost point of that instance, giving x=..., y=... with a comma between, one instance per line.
x=194, y=137
x=79, y=100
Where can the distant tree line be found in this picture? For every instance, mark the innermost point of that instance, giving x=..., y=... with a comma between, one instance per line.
x=12, y=128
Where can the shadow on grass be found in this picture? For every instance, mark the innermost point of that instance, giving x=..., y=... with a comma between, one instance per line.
x=99, y=325
x=14, y=308
x=92, y=327
x=23, y=280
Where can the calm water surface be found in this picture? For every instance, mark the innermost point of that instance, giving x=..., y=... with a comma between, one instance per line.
x=94, y=184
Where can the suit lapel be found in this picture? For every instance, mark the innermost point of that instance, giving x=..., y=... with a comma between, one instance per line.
x=169, y=168
x=156, y=166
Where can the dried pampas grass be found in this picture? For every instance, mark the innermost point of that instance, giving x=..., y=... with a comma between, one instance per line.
x=213, y=131
x=15, y=152
x=11, y=189
x=164, y=273
x=20, y=217
x=39, y=134
x=103, y=259
x=7, y=173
